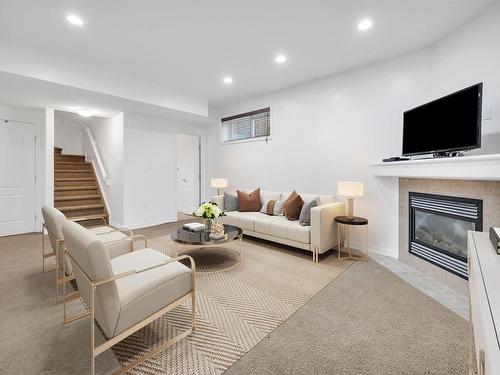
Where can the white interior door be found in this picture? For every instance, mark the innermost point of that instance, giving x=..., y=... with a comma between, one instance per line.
x=17, y=177
x=188, y=173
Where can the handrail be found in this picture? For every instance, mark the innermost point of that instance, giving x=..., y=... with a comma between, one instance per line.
x=100, y=164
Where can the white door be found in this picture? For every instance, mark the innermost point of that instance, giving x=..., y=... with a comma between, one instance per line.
x=17, y=177
x=188, y=173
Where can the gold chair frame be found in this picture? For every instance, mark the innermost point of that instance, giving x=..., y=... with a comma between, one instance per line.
x=60, y=247
x=95, y=351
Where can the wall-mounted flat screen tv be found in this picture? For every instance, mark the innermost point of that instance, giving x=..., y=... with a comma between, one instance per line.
x=451, y=123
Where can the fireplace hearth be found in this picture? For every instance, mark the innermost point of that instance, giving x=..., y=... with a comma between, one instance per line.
x=438, y=229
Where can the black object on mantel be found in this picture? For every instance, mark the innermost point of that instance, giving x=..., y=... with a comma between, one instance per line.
x=394, y=158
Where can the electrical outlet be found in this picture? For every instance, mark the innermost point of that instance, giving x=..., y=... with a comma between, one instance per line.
x=488, y=113
x=146, y=207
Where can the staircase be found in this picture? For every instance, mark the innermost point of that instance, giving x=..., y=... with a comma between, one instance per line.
x=76, y=191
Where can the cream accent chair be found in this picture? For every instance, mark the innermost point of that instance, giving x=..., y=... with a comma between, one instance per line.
x=53, y=221
x=129, y=291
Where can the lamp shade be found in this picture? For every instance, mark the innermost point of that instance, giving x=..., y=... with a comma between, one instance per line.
x=218, y=182
x=350, y=189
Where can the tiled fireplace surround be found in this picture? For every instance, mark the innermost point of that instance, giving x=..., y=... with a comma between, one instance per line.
x=488, y=191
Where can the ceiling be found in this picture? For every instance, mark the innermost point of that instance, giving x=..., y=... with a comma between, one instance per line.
x=190, y=45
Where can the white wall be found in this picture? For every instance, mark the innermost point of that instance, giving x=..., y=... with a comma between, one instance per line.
x=67, y=134
x=468, y=56
x=42, y=119
x=109, y=137
x=333, y=129
x=150, y=168
x=150, y=178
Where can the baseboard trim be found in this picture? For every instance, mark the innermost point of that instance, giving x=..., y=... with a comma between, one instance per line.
x=144, y=225
x=361, y=248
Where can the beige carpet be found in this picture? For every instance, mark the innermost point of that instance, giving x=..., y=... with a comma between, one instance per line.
x=236, y=308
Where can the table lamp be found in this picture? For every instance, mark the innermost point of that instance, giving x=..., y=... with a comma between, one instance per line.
x=350, y=190
x=218, y=183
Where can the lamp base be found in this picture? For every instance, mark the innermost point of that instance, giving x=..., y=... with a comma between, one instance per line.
x=350, y=208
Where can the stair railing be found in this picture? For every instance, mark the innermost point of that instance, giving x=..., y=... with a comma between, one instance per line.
x=95, y=152
x=93, y=156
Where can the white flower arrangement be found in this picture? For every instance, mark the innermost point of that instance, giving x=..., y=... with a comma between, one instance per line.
x=209, y=210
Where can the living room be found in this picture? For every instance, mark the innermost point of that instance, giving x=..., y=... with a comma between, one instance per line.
x=271, y=145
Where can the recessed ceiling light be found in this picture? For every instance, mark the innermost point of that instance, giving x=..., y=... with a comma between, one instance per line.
x=85, y=112
x=365, y=24
x=74, y=19
x=280, y=59
x=227, y=80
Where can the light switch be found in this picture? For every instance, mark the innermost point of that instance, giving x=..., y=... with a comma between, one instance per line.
x=488, y=113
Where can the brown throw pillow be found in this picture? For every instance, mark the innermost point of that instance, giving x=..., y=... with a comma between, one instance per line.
x=292, y=207
x=292, y=195
x=249, y=202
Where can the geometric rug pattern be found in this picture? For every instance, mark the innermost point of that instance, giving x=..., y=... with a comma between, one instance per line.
x=236, y=308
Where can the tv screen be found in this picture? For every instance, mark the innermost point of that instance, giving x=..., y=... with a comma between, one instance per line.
x=451, y=123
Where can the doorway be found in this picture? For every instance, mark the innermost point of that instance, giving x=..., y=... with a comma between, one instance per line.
x=188, y=174
x=17, y=177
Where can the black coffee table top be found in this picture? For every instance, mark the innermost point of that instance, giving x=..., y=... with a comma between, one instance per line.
x=354, y=220
x=202, y=238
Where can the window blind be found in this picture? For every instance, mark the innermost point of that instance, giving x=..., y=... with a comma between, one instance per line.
x=250, y=125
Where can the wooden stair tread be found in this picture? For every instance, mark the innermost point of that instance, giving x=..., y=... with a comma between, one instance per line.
x=72, y=170
x=63, y=179
x=81, y=207
x=72, y=162
x=65, y=188
x=77, y=197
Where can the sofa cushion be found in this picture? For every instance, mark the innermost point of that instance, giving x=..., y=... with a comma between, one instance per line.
x=272, y=207
x=299, y=233
x=290, y=230
x=230, y=202
x=143, y=294
x=244, y=220
x=262, y=223
x=292, y=207
x=305, y=213
x=277, y=226
x=249, y=202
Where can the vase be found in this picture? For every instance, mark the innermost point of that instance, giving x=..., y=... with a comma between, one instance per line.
x=208, y=225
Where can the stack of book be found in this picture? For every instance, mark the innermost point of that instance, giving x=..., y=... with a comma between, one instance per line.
x=194, y=227
x=495, y=238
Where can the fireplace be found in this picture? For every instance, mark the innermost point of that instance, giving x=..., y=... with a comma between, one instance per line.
x=438, y=229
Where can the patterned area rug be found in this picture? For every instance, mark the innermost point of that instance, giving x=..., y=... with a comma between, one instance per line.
x=235, y=309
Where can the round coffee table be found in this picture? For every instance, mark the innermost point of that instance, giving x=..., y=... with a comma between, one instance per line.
x=219, y=250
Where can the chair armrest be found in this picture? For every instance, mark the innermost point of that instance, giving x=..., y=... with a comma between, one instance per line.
x=219, y=199
x=125, y=245
x=126, y=231
x=323, y=226
x=144, y=269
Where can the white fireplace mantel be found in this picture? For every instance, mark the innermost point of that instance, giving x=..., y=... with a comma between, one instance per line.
x=477, y=167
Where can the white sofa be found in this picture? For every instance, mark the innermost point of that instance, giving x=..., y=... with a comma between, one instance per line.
x=319, y=237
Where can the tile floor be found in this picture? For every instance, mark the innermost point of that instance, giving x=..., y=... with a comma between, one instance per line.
x=426, y=284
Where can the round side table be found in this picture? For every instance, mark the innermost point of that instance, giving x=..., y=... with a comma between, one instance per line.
x=347, y=221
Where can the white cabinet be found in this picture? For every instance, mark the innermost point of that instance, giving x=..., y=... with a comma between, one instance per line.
x=484, y=285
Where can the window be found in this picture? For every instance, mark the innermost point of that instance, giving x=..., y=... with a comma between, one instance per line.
x=253, y=125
